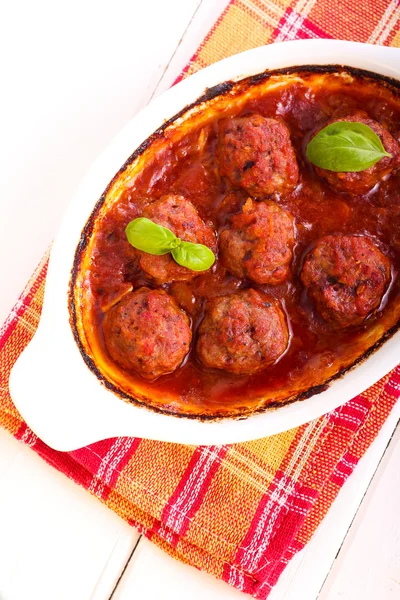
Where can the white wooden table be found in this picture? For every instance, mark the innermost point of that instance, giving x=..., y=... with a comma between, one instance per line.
x=73, y=73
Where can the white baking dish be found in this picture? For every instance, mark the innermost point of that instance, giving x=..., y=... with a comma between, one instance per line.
x=60, y=398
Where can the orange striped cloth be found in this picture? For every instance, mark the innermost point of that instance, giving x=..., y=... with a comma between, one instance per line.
x=242, y=511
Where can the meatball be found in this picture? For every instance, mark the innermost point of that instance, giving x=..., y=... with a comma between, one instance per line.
x=362, y=182
x=242, y=333
x=346, y=276
x=256, y=153
x=148, y=332
x=259, y=243
x=181, y=217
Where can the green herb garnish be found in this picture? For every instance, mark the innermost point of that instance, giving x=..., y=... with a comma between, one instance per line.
x=149, y=237
x=345, y=147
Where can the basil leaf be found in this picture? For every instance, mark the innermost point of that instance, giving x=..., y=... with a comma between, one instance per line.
x=193, y=256
x=345, y=147
x=149, y=237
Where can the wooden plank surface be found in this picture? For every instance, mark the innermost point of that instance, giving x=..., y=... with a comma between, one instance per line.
x=56, y=541
x=368, y=565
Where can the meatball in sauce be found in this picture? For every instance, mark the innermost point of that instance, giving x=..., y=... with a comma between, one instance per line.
x=242, y=333
x=148, y=332
x=347, y=276
x=258, y=243
x=256, y=154
x=358, y=183
x=181, y=217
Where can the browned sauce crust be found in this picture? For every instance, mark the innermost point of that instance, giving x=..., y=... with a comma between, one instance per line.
x=321, y=249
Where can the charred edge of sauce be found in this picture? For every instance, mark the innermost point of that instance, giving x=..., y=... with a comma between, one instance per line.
x=217, y=90
x=209, y=94
x=388, y=82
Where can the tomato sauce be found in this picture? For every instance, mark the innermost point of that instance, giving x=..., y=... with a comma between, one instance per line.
x=189, y=167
